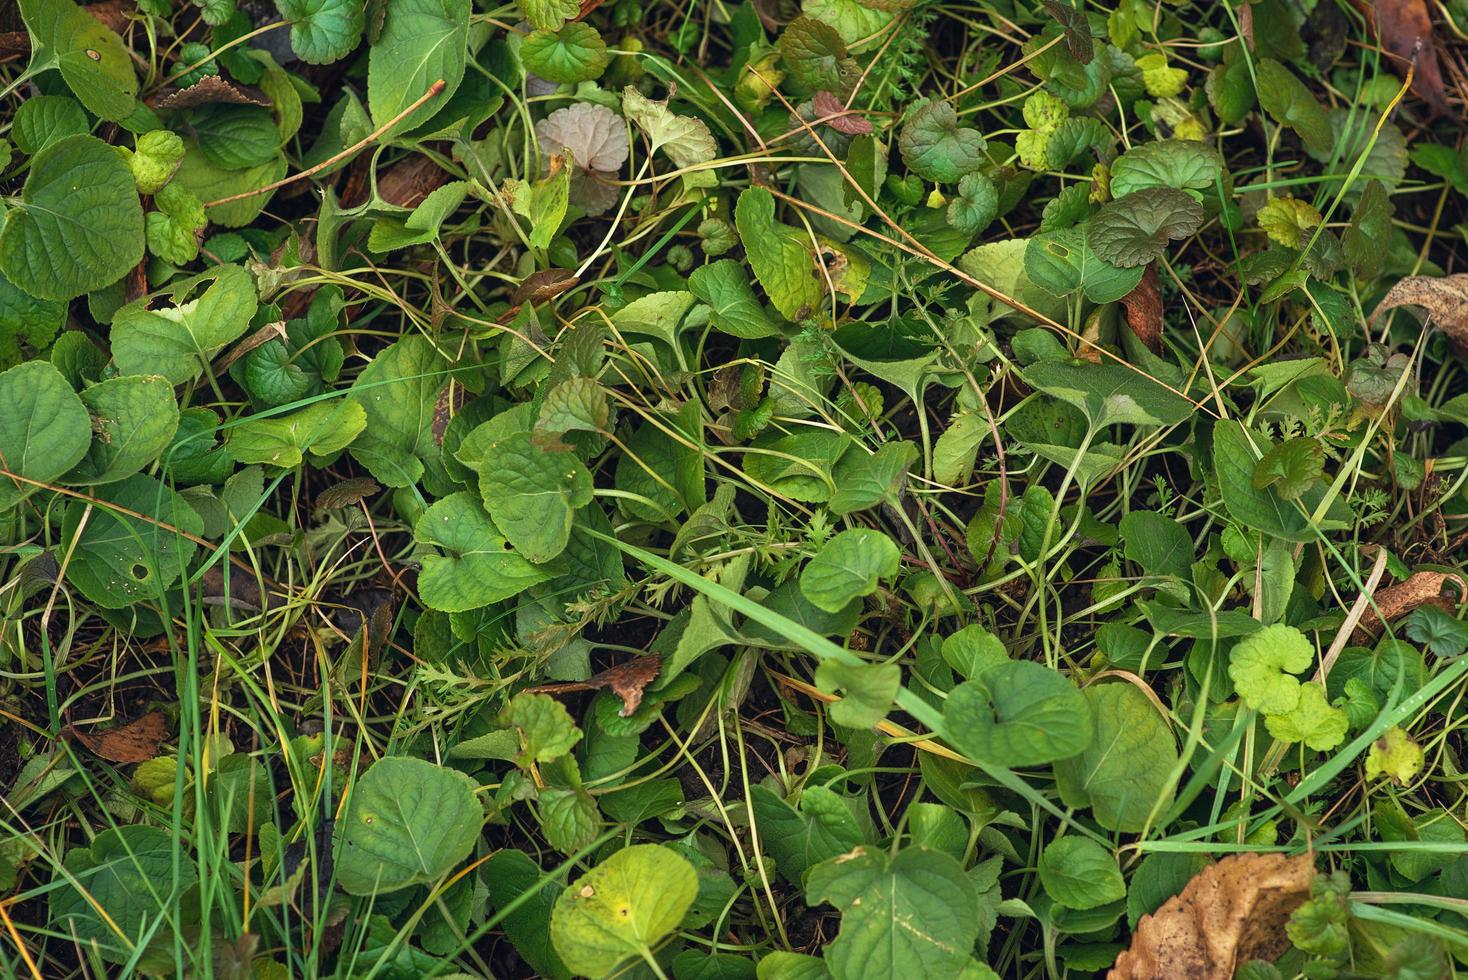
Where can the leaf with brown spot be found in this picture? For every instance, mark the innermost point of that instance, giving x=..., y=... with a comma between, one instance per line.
x=137, y=741
x=1231, y=912
x=1422, y=588
x=1144, y=310
x=1444, y=298
x=1404, y=29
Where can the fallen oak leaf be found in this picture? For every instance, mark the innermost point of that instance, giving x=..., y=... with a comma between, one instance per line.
x=1445, y=299
x=1231, y=912
x=137, y=741
x=1395, y=601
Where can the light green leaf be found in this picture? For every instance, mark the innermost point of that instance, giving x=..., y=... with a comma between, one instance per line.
x=655, y=315
x=575, y=53
x=323, y=31
x=780, y=256
x=1396, y=756
x=1261, y=663
x=1181, y=164
x=173, y=230
x=1080, y=874
x=544, y=727
x=798, y=838
x=1313, y=720
x=1292, y=467
x=78, y=224
x=1061, y=261
x=686, y=140
x=973, y=650
x=911, y=914
x=179, y=340
x=935, y=147
x=409, y=823
x=533, y=494
x=848, y=567
x=477, y=569
x=133, y=420
x=957, y=449
x=622, y=908
x=422, y=42
x=1124, y=771
x=1110, y=392
x=733, y=307
x=1289, y=221
x=423, y=224
x=211, y=183
x=549, y=15
x=321, y=429
x=1018, y=713
x=118, y=559
x=1133, y=230
x=866, y=480
x=543, y=203
x=41, y=120
x=92, y=58
x=155, y=158
x=569, y=818
x=44, y=430
x=399, y=391
x=867, y=691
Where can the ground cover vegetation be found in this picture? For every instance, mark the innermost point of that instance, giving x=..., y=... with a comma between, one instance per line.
x=701, y=489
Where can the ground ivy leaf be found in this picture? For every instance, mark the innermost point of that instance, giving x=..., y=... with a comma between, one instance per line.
x=976, y=204
x=1134, y=230
x=569, y=818
x=1179, y=164
x=178, y=341
x=575, y=53
x=409, y=823
x=1442, y=633
x=44, y=430
x=867, y=691
x=549, y=15
x=686, y=140
x=323, y=31
x=134, y=419
x=1291, y=104
x=1080, y=874
x=622, y=908
x=935, y=147
x=544, y=727
x=78, y=224
x=1018, y=713
x=1124, y=771
x=848, y=567
x=533, y=494
x=173, y=230
x=816, y=56
x=733, y=307
x=1261, y=663
x=1396, y=756
x=1312, y=720
x=1289, y=221
x=119, y=559
x=477, y=568
x=92, y=58
x=780, y=256
x=422, y=42
x=1230, y=89
x=912, y=913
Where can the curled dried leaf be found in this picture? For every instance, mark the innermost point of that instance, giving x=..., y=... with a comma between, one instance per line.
x=627, y=680
x=137, y=741
x=1405, y=30
x=1444, y=298
x=1143, y=307
x=1232, y=912
x=1422, y=588
x=212, y=90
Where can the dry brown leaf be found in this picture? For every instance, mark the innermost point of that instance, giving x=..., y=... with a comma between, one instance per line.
x=1405, y=30
x=347, y=493
x=408, y=182
x=1231, y=912
x=137, y=741
x=114, y=13
x=1444, y=298
x=543, y=285
x=627, y=680
x=836, y=115
x=1394, y=601
x=212, y=90
x=1144, y=310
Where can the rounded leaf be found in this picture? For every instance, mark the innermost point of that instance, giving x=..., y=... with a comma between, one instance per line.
x=1135, y=229
x=934, y=146
x=575, y=53
x=1018, y=714
x=622, y=908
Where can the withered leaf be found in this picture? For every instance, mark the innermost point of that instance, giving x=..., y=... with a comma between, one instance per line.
x=627, y=680
x=346, y=493
x=1231, y=912
x=835, y=114
x=137, y=741
x=543, y=285
x=1144, y=310
x=1420, y=589
x=212, y=90
x=408, y=182
x=1444, y=298
x=1404, y=29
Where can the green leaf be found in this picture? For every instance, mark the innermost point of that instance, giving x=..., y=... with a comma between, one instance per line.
x=510, y=874
x=533, y=494
x=544, y=726
x=1158, y=543
x=1123, y=773
x=135, y=872
x=569, y=818
x=422, y=42
x=1261, y=663
x=423, y=224
x=477, y=568
x=549, y=15
x=44, y=430
x=1312, y=720
x=41, y=120
x=323, y=31
x=235, y=137
x=1371, y=224
x=1134, y=230
x=820, y=829
x=865, y=480
x=409, y=823
x=911, y=914
x=1230, y=90
x=686, y=141
x=935, y=147
x=975, y=206
x=1080, y=874
x=208, y=183
x=848, y=567
x=133, y=420
x=816, y=56
x=1179, y=164
x=973, y=650
x=173, y=230
x=1109, y=392
x=178, y=341
x=399, y=391
x=119, y=559
x=94, y=62
x=543, y=202
x=1292, y=105
x=1235, y=462
x=867, y=691
x=1292, y=467
x=957, y=449
x=25, y=319
x=320, y=429
x=780, y=256
x=1062, y=262
x=1289, y=221
x=1018, y=713
x=622, y=908
x=575, y=53
x=78, y=225
x=733, y=307
x=1442, y=633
